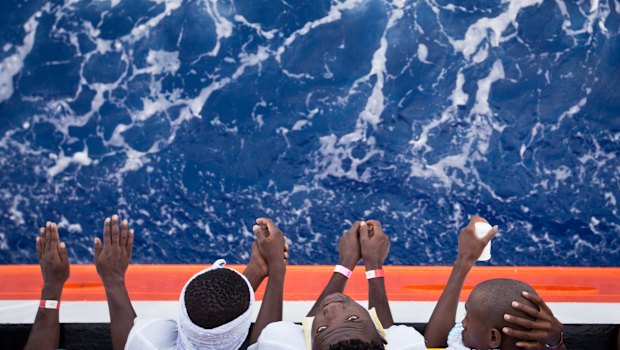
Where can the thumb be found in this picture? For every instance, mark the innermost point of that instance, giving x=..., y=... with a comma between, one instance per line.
x=98, y=247
x=364, y=231
x=259, y=232
x=62, y=251
x=489, y=236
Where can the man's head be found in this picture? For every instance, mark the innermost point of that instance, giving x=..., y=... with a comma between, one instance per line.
x=486, y=307
x=216, y=297
x=341, y=323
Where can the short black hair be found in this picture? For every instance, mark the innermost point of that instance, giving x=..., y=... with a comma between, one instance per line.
x=356, y=344
x=216, y=297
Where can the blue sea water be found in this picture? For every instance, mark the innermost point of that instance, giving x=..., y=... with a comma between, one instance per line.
x=192, y=118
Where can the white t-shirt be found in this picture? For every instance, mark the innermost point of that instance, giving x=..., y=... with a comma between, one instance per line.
x=285, y=335
x=152, y=333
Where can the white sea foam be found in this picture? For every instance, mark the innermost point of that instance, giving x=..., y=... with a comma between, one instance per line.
x=257, y=27
x=423, y=53
x=62, y=161
x=223, y=27
x=11, y=65
x=490, y=29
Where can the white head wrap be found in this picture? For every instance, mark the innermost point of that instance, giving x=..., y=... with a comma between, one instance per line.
x=229, y=336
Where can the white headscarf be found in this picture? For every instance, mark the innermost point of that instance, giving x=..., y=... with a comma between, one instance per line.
x=229, y=336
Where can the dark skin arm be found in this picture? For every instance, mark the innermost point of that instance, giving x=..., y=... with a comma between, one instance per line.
x=54, y=262
x=469, y=250
x=349, y=255
x=112, y=260
x=271, y=243
x=375, y=247
x=258, y=268
x=544, y=329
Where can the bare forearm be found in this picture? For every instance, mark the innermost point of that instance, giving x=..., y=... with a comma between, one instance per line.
x=271, y=308
x=122, y=314
x=254, y=276
x=377, y=298
x=45, y=332
x=335, y=285
x=443, y=318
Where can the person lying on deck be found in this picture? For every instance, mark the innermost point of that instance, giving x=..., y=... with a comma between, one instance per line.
x=337, y=321
x=216, y=305
x=501, y=313
x=54, y=262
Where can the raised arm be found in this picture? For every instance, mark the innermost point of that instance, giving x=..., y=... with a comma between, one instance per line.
x=443, y=318
x=54, y=262
x=375, y=247
x=112, y=260
x=348, y=256
x=271, y=245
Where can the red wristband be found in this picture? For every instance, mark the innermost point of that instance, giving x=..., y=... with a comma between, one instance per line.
x=49, y=304
x=343, y=270
x=374, y=274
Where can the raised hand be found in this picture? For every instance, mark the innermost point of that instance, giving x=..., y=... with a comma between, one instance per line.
x=375, y=245
x=271, y=243
x=349, y=252
x=113, y=256
x=54, y=262
x=111, y=260
x=544, y=329
x=470, y=246
x=53, y=258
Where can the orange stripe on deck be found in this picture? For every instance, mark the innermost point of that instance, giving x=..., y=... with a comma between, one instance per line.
x=303, y=282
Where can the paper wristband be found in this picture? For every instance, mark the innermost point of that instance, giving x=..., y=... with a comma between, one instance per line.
x=374, y=274
x=49, y=304
x=343, y=270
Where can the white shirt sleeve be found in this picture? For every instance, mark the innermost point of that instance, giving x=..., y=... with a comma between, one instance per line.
x=152, y=333
x=404, y=338
x=283, y=335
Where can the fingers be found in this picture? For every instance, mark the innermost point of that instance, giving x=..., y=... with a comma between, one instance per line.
x=55, y=238
x=42, y=239
x=259, y=232
x=489, y=236
x=525, y=323
x=528, y=345
x=48, y=235
x=537, y=300
x=124, y=233
x=62, y=251
x=529, y=310
x=521, y=334
x=98, y=247
x=107, y=234
x=130, y=244
x=273, y=229
x=115, y=231
x=364, y=236
x=355, y=227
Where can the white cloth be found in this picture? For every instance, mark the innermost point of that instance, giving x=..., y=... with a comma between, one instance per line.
x=455, y=338
x=285, y=335
x=150, y=334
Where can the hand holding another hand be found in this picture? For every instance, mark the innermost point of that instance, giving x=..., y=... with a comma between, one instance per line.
x=270, y=249
x=375, y=245
x=349, y=253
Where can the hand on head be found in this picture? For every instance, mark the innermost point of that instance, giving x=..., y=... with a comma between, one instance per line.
x=53, y=257
x=375, y=245
x=113, y=256
x=270, y=247
x=544, y=329
x=470, y=246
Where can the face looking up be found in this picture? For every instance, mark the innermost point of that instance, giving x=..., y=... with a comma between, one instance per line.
x=341, y=318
